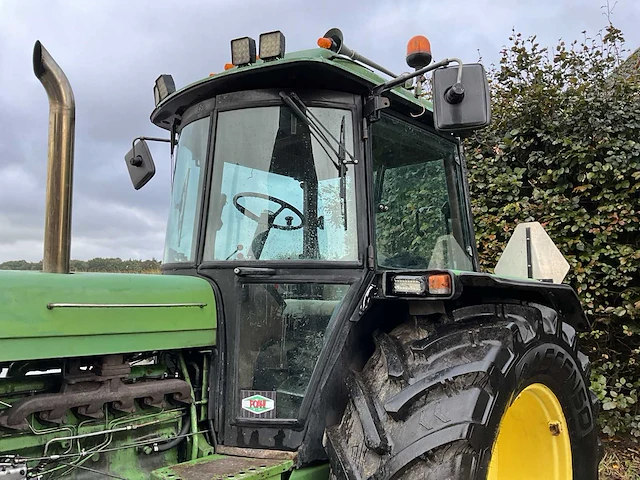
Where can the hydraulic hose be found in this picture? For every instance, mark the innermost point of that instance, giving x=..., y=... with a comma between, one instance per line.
x=174, y=442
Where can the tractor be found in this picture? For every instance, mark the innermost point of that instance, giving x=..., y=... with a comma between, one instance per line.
x=321, y=312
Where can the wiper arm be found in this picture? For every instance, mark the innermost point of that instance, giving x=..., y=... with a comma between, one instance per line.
x=343, y=173
x=318, y=123
x=183, y=201
x=315, y=128
x=320, y=138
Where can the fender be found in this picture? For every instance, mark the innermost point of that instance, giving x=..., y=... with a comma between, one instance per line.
x=479, y=288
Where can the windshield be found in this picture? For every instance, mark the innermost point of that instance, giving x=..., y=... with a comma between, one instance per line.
x=420, y=216
x=278, y=192
x=184, y=212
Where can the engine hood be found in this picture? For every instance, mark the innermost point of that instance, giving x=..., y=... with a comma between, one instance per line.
x=45, y=315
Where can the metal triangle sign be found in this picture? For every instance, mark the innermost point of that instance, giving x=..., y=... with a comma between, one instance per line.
x=531, y=253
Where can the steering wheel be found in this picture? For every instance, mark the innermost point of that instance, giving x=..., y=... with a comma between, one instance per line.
x=272, y=216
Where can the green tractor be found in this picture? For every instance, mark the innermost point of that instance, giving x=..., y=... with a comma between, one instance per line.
x=321, y=312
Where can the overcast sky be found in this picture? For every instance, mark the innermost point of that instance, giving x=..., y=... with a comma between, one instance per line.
x=112, y=51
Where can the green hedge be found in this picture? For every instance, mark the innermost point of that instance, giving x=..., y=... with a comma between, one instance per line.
x=564, y=149
x=110, y=265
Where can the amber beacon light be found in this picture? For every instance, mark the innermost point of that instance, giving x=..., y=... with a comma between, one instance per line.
x=418, y=52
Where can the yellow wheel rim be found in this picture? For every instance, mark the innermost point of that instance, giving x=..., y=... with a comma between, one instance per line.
x=533, y=439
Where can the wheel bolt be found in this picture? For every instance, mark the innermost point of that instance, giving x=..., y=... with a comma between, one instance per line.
x=554, y=428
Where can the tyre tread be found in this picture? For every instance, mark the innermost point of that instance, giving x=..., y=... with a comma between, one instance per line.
x=444, y=388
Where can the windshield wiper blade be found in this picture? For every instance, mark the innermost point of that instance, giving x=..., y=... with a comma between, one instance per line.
x=343, y=172
x=183, y=201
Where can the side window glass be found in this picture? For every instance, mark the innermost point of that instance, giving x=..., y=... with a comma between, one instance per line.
x=420, y=220
x=184, y=211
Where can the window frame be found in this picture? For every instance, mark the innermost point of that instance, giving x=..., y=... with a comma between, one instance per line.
x=218, y=170
x=314, y=98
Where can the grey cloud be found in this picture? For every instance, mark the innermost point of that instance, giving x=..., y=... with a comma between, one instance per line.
x=112, y=51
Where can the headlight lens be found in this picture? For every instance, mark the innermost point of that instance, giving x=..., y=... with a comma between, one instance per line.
x=426, y=285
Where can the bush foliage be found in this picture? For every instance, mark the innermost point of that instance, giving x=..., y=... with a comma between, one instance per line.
x=564, y=149
x=110, y=265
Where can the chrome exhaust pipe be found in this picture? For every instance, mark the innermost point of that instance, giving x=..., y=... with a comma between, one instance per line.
x=62, y=119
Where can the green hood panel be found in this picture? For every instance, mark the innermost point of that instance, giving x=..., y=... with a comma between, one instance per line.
x=46, y=315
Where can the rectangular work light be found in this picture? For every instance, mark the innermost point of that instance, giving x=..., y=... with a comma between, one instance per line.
x=243, y=51
x=437, y=284
x=163, y=87
x=271, y=45
x=409, y=284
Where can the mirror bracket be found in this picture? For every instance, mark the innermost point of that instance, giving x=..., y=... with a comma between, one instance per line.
x=151, y=139
x=373, y=105
x=172, y=137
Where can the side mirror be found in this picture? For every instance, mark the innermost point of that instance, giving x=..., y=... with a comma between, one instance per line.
x=461, y=107
x=140, y=164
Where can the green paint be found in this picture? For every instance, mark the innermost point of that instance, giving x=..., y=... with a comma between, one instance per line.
x=204, y=449
x=251, y=470
x=122, y=460
x=193, y=415
x=29, y=330
x=26, y=385
x=318, y=472
x=317, y=55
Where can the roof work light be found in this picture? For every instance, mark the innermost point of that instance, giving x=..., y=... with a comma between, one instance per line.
x=164, y=87
x=243, y=51
x=271, y=45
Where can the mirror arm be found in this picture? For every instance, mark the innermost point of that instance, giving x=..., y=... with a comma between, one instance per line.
x=406, y=76
x=151, y=139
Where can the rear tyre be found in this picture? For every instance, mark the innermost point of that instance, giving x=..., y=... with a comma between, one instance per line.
x=502, y=395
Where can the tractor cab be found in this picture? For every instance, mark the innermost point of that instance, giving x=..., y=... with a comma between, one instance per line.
x=298, y=179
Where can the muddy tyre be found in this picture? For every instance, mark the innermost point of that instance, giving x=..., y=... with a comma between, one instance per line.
x=470, y=400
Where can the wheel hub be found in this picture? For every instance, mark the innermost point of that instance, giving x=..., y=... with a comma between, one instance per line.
x=533, y=439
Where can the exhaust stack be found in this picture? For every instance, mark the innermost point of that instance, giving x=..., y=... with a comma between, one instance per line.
x=62, y=117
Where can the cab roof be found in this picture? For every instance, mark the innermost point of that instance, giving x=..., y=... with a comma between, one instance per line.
x=307, y=69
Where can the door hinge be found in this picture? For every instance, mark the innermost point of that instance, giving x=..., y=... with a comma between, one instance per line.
x=371, y=261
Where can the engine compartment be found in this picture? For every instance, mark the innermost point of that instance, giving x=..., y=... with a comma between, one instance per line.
x=111, y=416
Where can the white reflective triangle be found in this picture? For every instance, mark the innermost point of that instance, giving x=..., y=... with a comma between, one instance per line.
x=547, y=262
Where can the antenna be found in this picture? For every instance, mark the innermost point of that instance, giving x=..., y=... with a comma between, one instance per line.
x=333, y=40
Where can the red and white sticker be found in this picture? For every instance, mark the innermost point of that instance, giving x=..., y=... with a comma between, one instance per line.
x=258, y=404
